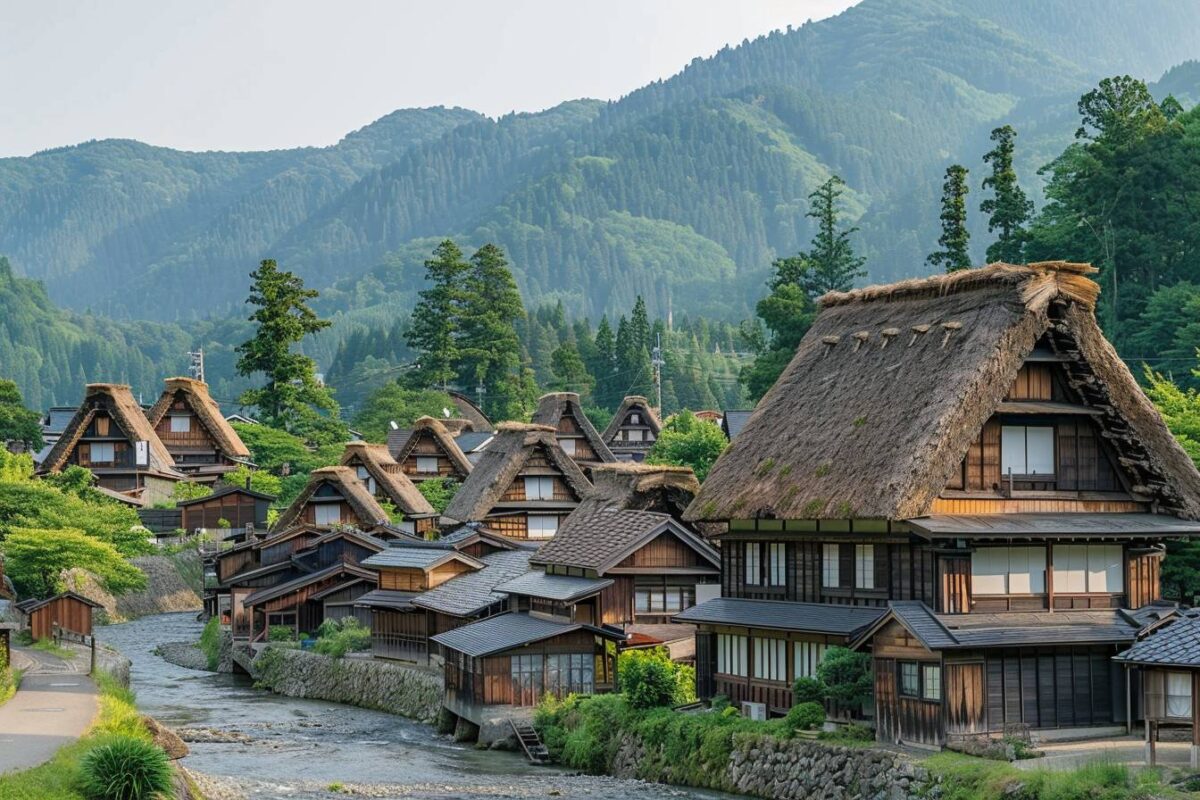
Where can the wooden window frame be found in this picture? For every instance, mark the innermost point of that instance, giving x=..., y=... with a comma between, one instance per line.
x=901, y=689
x=1049, y=477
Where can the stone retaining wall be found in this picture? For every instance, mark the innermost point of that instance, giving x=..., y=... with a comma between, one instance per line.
x=359, y=682
x=795, y=769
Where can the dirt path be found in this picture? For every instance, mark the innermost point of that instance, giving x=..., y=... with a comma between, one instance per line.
x=54, y=706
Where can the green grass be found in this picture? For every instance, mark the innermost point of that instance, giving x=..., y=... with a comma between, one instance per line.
x=48, y=646
x=61, y=778
x=210, y=642
x=970, y=778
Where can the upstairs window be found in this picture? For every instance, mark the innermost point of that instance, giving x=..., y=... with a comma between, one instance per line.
x=635, y=419
x=777, y=564
x=830, y=566
x=864, y=566
x=181, y=424
x=103, y=453
x=327, y=514
x=567, y=445
x=1026, y=450
x=427, y=465
x=1009, y=570
x=542, y=526
x=633, y=435
x=539, y=488
x=753, y=565
x=766, y=564
x=1088, y=569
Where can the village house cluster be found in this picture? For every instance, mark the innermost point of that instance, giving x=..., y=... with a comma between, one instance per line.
x=957, y=475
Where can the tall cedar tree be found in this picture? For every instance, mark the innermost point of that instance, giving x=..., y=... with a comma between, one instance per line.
x=604, y=366
x=831, y=265
x=955, y=239
x=433, y=333
x=1008, y=207
x=488, y=345
x=292, y=399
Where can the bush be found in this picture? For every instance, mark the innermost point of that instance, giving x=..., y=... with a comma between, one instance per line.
x=336, y=638
x=648, y=678
x=210, y=642
x=281, y=633
x=808, y=690
x=805, y=717
x=847, y=676
x=125, y=768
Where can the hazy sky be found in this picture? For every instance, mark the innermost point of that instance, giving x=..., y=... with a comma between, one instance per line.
x=257, y=74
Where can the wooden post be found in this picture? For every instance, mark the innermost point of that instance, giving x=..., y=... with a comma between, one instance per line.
x=1195, y=758
x=1150, y=755
x=1050, y=577
x=92, y=668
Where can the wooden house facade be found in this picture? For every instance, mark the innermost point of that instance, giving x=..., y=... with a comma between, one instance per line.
x=574, y=432
x=633, y=430
x=431, y=451
x=188, y=421
x=337, y=496
x=110, y=435
x=237, y=506
x=67, y=611
x=968, y=456
x=523, y=486
x=387, y=482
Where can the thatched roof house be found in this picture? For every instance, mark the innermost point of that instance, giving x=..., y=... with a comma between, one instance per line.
x=385, y=479
x=522, y=473
x=468, y=410
x=430, y=451
x=633, y=429
x=189, y=424
x=890, y=387
x=575, y=433
x=333, y=496
x=645, y=487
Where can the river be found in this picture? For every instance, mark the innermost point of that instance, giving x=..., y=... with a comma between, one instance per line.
x=298, y=748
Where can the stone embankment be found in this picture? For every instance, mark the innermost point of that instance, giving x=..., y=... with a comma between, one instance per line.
x=380, y=685
x=167, y=588
x=796, y=769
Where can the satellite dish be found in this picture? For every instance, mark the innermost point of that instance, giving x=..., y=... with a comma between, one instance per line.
x=445, y=412
x=392, y=424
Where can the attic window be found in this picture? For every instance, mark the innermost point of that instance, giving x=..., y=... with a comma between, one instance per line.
x=327, y=513
x=567, y=445
x=181, y=424
x=427, y=465
x=1027, y=450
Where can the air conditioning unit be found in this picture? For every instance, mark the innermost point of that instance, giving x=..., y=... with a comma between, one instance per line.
x=755, y=711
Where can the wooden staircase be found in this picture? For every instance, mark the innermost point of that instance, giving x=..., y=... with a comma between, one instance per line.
x=531, y=743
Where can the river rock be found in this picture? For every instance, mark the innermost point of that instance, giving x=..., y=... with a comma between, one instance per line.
x=165, y=738
x=212, y=736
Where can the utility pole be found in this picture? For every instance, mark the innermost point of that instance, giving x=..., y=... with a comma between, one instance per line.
x=196, y=364
x=479, y=390
x=656, y=360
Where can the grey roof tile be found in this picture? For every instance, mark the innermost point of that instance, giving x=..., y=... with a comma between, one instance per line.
x=554, y=587
x=782, y=615
x=1175, y=643
x=506, y=631
x=472, y=592
x=413, y=557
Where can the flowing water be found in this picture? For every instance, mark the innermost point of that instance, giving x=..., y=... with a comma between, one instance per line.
x=298, y=748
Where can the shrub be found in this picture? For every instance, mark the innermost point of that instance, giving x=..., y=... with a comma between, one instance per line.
x=808, y=690
x=647, y=678
x=210, y=642
x=719, y=702
x=281, y=633
x=125, y=768
x=805, y=717
x=336, y=638
x=847, y=676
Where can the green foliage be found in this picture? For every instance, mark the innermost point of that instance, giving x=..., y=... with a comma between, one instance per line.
x=439, y=492
x=292, y=398
x=335, y=638
x=18, y=423
x=807, y=716
x=36, y=556
x=210, y=642
x=1008, y=208
x=281, y=633
x=125, y=768
x=786, y=313
x=1180, y=409
x=260, y=480
x=808, y=690
x=188, y=490
x=649, y=679
x=8, y=680
x=846, y=675
x=831, y=265
x=956, y=238
x=687, y=441
x=394, y=403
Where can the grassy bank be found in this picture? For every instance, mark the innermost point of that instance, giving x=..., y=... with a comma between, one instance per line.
x=695, y=750
x=10, y=679
x=62, y=777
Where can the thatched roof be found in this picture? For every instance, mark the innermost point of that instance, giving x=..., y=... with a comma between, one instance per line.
x=195, y=394
x=552, y=407
x=645, y=487
x=117, y=401
x=502, y=460
x=469, y=411
x=650, y=416
x=437, y=430
x=389, y=477
x=362, y=502
x=892, y=384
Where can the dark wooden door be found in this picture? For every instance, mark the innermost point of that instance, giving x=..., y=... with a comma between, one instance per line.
x=966, y=710
x=954, y=584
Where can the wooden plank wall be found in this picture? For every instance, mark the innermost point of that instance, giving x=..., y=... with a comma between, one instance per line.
x=966, y=709
x=1143, y=580
x=65, y=612
x=1052, y=688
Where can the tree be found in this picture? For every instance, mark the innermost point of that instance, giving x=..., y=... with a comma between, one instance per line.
x=787, y=314
x=687, y=441
x=489, y=348
x=605, y=366
x=395, y=403
x=831, y=264
x=439, y=492
x=1008, y=208
x=847, y=676
x=955, y=239
x=18, y=423
x=292, y=398
x=570, y=373
x=648, y=680
x=189, y=490
x=260, y=480
x=36, y=557
x=435, y=319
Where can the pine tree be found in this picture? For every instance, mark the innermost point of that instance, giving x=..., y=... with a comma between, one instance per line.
x=488, y=345
x=605, y=365
x=639, y=324
x=955, y=238
x=1008, y=208
x=433, y=331
x=831, y=265
x=292, y=398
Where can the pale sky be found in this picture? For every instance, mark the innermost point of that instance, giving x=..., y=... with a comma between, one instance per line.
x=261, y=74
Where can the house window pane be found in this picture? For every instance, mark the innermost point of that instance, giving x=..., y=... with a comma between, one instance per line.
x=731, y=654
x=363, y=473
x=1070, y=568
x=1179, y=694
x=181, y=424
x=568, y=446
x=539, y=488
x=635, y=419
x=807, y=655
x=427, y=465
x=1008, y=570
x=777, y=569
x=642, y=601
x=327, y=513
x=753, y=567
x=1027, y=450
x=1104, y=568
x=103, y=453
x=542, y=526
x=931, y=682
x=633, y=436
x=770, y=659
x=830, y=566
x=910, y=679
x=864, y=566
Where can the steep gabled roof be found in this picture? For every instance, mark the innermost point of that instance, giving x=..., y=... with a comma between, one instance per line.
x=363, y=503
x=502, y=460
x=552, y=407
x=892, y=384
x=333, y=570
x=195, y=393
x=468, y=410
x=435, y=429
x=389, y=476
x=645, y=487
x=627, y=405
x=598, y=536
x=117, y=401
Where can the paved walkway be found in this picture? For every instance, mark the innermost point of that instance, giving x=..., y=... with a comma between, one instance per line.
x=54, y=706
x=1118, y=749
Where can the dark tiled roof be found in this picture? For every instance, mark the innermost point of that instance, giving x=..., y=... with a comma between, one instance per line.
x=1054, y=524
x=782, y=615
x=919, y=618
x=387, y=598
x=597, y=536
x=506, y=631
x=279, y=590
x=416, y=557
x=1175, y=643
x=734, y=421
x=397, y=438
x=469, y=441
x=554, y=587
x=470, y=593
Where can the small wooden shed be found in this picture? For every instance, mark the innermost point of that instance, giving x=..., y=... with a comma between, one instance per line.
x=69, y=611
